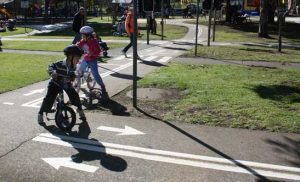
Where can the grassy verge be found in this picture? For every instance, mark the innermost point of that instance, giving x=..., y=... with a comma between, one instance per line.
x=44, y=45
x=19, y=30
x=247, y=32
x=18, y=70
x=247, y=53
x=231, y=96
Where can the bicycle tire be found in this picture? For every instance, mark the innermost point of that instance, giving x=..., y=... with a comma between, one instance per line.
x=63, y=116
x=90, y=81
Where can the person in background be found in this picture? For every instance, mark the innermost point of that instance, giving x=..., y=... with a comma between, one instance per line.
x=129, y=30
x=78, y=22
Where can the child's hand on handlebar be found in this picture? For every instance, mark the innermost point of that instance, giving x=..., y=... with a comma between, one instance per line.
x=54, y=76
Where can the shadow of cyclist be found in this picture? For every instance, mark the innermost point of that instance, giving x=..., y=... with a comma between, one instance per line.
x=98, y=151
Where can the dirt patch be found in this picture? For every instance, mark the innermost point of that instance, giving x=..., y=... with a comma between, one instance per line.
x=152, y=102
x=154, y=94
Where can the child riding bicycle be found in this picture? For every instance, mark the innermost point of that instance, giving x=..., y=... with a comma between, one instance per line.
x=62, y=73
x=92, y=51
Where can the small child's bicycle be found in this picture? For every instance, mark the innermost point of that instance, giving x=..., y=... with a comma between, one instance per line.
x=84, y=77
x=65, y=116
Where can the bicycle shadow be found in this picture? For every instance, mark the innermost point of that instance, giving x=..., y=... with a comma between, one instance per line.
x=91, y=152
x=109, y=105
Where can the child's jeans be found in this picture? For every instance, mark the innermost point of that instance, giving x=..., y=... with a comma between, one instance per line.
x=94, y=68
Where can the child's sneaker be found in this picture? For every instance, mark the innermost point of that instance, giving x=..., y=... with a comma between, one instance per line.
x=40, y=119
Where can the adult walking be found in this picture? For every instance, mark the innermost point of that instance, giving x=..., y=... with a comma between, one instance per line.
x=129, y=29
x=78, y=22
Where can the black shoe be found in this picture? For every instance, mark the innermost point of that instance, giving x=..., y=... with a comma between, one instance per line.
x=124, y=53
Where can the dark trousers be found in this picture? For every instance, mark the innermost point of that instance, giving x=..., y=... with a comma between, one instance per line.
x=129, y=45
x=52, y=93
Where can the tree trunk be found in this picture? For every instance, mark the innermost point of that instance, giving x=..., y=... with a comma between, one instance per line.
x=228, y=11
x=263, y=21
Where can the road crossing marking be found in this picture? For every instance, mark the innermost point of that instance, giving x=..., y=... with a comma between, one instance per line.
x=207, y=162
x=35, y=103
x=34, y=92
x=164, y=59
x=150, y=58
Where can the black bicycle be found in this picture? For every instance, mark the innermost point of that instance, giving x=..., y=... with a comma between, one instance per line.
x=65, y=116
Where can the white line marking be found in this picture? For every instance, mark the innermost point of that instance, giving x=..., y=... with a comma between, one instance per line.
x=8, y=103
x=150, y=58
x=34, y=92
x=164, y=59
x=118, y=58
x=35, y=103
x=103, y=147
x=116, y=69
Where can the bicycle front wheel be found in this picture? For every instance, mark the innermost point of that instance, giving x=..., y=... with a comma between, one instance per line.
x=65, y=118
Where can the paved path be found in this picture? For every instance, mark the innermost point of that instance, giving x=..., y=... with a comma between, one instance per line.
x=161, y=151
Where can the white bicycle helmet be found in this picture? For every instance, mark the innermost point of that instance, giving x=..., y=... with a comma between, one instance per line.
x=86, y=30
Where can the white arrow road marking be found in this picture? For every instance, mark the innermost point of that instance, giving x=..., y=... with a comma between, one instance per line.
x=264, y=169
x=67, y=162
x=35, y=92
x=35, y=103
x=8, y=103
x=127, y=131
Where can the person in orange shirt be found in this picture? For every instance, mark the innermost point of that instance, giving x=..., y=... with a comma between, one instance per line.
x=129, y=30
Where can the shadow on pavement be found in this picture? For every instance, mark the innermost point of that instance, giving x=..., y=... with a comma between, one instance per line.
x=110, y=162
x=151, y=63
x=110, y=105
x=175, y=48
x=237, y=163
x=124, y=76
x=289, y=146
x=183, y=43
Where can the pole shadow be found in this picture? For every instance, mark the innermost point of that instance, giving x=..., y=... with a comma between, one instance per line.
x=237, y=163
x=288, y=147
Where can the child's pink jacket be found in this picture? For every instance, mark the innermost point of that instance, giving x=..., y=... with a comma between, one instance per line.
x=91, y=49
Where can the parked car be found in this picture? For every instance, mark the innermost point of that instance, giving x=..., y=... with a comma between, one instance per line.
x=177, y=12
x=193, y=8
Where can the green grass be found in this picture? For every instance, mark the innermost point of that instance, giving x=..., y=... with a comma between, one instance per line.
x=247, y=53
x=231, y=96
x=19, y=30
x=45, y=46
x=247, y=32
x=18, y=70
